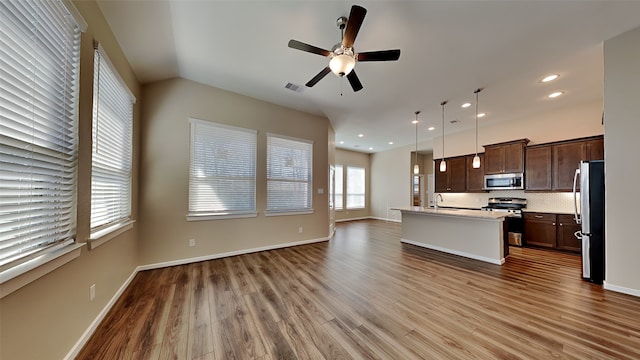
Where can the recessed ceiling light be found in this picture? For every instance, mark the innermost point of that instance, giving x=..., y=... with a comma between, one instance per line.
x=414, y=121
x=556, y=94
x=482, y=115
x=360, y=135
x=390, y=142
x=466, y=105
x=550, y=78
x=370, y=148
x=431, y=128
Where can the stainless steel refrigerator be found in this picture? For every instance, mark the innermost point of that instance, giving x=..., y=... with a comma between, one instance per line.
x=588, y=183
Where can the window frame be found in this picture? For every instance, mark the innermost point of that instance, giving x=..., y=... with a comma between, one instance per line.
x=364, y=187
x=212, y=214
x=309, y=182
x=114, y=226
x=18, y=270
x=339, y=206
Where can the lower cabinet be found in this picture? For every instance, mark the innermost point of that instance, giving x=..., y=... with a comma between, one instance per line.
x=554, y=231
x=540, y=229
x=566, y=240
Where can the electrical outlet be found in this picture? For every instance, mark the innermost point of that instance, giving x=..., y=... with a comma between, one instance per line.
x=300, y=230
x=192, y=242
x=92, y=292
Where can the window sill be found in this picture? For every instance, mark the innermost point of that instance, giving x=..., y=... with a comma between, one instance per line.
x=222, y=216
x=287, y=212
x=102, y=236
x=18, y=276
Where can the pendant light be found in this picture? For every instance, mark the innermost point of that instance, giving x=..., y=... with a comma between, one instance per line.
x=476, y=159
x=443, y=164
x=416, y=167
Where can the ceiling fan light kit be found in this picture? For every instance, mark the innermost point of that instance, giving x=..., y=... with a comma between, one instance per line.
x=342, y=57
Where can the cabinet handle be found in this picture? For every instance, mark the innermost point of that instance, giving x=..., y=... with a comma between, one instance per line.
x=538, y=216
x=561, y=224
x=554, y=224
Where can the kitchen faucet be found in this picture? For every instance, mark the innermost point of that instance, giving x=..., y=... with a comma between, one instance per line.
x=436, y=202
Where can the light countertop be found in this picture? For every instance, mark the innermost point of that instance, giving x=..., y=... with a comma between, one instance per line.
x=448, y=212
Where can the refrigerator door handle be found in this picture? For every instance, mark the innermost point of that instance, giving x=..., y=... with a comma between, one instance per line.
x=575, y=197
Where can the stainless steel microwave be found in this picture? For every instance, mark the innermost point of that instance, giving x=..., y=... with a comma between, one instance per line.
x=504, y=181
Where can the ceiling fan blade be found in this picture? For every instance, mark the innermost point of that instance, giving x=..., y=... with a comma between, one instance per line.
x=354, y=81
x=384, y=55
x=295, y=44
x=356, y=17
x=318, y=77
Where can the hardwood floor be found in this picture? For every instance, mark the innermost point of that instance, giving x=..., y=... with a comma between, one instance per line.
x=364, y=295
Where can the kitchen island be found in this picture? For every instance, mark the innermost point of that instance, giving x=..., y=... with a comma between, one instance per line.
x=470, y=233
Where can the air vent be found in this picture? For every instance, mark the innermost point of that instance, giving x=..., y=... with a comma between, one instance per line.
x=454, y=121
x=294, y=87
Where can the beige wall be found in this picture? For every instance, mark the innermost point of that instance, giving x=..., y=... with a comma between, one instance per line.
x=622, y=168
x=354, y=158
x=164, y=230
x=390, y=182
x=44, y=319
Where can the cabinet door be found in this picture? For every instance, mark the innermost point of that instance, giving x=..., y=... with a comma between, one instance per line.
x=566, y=239
x=595, y=149
x=540, y=229
x=538, y=168
x=566, y=159
x=494, y=159
x=475, y=177
x=513, y=158
x=457, y=173
x=440, y=178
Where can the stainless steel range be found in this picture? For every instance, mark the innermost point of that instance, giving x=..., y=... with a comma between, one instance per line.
x=515, y=223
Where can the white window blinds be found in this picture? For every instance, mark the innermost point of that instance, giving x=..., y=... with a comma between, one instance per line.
x=339, y=187
x=112, y=146
x=289, y=174
x=355, y=187
x=39, y=57
x=222, y=171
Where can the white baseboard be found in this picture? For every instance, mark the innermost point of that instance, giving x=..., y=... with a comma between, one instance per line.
x=354, y=219
x=228, y=254
x=94, y=324
x=621, y=289
x=385, y=219
x=454, y=252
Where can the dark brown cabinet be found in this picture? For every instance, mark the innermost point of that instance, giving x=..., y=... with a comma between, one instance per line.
x=505, y=157
x=551, y=167
x=454, y=179
x=555, y=231
x=540, y=229
x=475, y=177
x=538, y=168
x=565, y=239
x=566, y=159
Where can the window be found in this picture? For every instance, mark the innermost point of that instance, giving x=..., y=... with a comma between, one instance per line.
x=355, y=188
x=39, y=57
x=112, y=148
x=289, y=174
x=222, y=172
x=339, y=187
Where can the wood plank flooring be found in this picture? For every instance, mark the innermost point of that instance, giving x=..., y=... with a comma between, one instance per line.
x=364, y=295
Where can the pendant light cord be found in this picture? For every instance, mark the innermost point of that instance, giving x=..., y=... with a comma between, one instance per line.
x=476, y=92
x=443, y=104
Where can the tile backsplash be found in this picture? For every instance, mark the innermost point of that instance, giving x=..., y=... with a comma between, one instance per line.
x=542, y=202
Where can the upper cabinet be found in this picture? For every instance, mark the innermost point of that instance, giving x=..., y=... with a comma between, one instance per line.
x=538, y=168
x=454, y=179
x=507, y=157
x=551, y=167
x=475, y=177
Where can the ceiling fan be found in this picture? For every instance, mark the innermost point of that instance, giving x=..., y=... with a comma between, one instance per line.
x=343, y=56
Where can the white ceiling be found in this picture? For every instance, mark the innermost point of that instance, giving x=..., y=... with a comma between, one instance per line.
x=449, y=48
